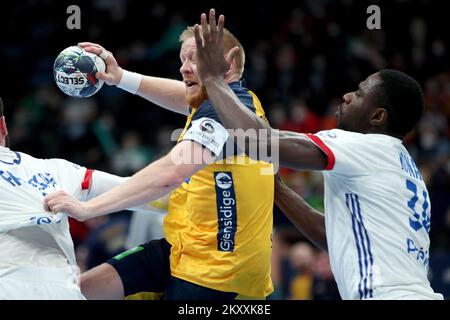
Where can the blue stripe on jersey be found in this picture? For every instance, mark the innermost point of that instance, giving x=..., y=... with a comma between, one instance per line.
x=357, y=245
x=361, y=234
x=368, y=248
x=361, y=237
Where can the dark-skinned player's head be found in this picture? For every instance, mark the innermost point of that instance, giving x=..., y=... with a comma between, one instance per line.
x=388, y=102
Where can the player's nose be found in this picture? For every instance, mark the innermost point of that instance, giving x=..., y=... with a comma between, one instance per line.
x=185, y=67
x=347, y=97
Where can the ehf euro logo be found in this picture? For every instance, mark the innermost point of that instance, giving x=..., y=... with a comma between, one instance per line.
x=207, y=126
x=224, y=181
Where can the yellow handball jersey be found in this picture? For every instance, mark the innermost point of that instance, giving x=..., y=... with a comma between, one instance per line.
x=219, y=221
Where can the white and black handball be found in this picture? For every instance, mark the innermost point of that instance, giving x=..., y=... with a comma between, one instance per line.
x=74, y=71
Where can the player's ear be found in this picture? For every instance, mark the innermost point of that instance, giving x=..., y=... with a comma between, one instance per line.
x=230, y=58
x=231, y=68
x=379, y=117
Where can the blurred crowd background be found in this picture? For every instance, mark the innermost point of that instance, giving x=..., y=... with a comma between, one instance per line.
x=301, y=58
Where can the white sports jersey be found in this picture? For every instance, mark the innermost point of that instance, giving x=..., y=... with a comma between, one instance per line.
x=30, y=236
x=377, y=217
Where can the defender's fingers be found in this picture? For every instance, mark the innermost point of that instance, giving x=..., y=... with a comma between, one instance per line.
x=205, y=29
x=198, y=37
x=212, y=23
x=220, y=26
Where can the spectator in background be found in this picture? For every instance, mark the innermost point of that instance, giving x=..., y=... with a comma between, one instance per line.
x=328, y=120
x=302, y=261
x=324, y=287
x=147, y=226
x=132, y=154
x=301, y=119
x=107, y=238
x=277, y=115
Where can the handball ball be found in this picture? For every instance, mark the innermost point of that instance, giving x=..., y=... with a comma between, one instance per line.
x=74, y=71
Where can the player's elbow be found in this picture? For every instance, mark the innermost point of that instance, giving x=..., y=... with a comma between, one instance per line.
x=175, y=176
x=170, y=179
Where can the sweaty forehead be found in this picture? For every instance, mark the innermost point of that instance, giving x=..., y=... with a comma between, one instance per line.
x=188, y=45
x=371, y=82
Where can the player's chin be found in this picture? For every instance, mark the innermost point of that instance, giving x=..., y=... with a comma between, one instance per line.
x=339, y=123
x=195, y=99
x=345, y=126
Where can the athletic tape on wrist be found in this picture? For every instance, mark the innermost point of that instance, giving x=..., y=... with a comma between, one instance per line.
x=130, y=81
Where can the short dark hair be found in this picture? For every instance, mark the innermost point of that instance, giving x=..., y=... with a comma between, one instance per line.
x=1, y=107
x=402, y=97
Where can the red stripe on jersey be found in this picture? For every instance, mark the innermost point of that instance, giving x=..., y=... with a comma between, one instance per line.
x=87, y=179
x=324, y=148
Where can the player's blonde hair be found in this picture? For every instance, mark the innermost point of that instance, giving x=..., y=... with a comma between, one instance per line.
x=230, y=41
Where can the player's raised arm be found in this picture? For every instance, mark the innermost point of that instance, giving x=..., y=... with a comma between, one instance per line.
x=310, y=222
x=295, y=150
x=167, y=93
x=212, y=65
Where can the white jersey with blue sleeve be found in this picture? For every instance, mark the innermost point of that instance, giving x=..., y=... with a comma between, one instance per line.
x=377, y=217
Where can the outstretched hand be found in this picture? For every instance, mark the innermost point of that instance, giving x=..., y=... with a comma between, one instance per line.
x=61, y=201
x=211, y=61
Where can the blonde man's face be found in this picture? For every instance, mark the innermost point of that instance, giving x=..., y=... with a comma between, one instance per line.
x=195, y=91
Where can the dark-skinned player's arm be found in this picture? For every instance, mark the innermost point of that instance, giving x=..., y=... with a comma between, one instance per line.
x=310, y=222
x=296, y=150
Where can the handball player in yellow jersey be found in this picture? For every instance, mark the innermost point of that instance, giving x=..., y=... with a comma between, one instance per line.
x=218, y=229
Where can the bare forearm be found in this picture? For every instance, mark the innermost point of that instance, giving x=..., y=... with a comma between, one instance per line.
x=297, y=152
x=310, y=222
x=152, y=182
x=148, y=184
x=167, y=93
x=102, y=182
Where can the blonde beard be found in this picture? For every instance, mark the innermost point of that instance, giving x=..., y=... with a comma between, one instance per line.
x=196, y=99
